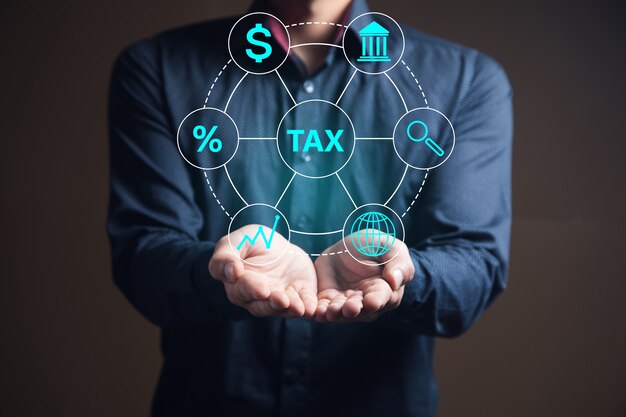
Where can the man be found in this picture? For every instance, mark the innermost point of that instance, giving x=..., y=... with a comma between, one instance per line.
x=306, y=335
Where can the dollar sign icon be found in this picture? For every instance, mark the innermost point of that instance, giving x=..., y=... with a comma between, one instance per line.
x=258, y=28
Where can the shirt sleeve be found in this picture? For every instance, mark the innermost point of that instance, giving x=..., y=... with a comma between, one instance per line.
x=154, y=222
x=464, y=221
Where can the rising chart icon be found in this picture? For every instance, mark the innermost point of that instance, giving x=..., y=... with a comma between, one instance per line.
x=260, y=233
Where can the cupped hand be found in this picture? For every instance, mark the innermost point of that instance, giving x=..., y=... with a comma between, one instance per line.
x=255, y=280
x=360, y=290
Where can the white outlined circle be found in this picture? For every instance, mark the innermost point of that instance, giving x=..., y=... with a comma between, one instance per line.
x=288, y=237
x=242, y=66
x=429, y=109
x=343, y=233
x=351, y=127
x=183, y=122
x=343, y=40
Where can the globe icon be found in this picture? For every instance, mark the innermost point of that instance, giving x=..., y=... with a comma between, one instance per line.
x=373, y=234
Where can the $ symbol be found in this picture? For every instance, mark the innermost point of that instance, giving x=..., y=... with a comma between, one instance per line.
x=266, y=46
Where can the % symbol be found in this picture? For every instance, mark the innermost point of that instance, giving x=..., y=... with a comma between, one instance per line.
x=215, y=144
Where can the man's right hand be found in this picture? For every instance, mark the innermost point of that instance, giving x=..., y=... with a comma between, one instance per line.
x=286, y=287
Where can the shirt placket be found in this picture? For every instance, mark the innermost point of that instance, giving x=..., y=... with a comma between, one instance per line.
x=296, y=366
x=298, y=333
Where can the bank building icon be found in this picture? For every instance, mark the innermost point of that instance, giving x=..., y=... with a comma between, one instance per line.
x=374, y=43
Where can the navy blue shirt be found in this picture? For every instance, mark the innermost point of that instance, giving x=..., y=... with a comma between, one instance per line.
x=165, y=217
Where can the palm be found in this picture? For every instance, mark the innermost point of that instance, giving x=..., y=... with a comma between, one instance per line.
x=347, y=286
x=293, y=271
x=288, y=282
x=344, y=273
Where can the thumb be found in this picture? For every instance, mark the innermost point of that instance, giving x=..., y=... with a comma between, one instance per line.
x=400, y=270
x=225, y=264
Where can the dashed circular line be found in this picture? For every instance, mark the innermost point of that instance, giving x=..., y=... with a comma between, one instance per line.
x=315, y=23
x=331, y=24
x=416, y=195
x=329, y=253
x=290, y=252
x=214, y=196
x=215, y=81
x=416, y=81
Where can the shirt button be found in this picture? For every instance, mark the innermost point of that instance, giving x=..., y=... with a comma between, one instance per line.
x=309, y=87
x=305, y=157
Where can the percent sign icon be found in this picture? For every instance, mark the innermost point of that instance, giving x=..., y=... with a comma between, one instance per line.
x=200, y=133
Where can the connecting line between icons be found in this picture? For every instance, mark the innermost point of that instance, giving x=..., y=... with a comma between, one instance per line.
x=406, y=168
x=285, y=85
x=373, y=138
x=347, y=192
x=257, y=138
x=345, y=88
x=285, y=190
x=406, y=109
x=298, y=232
x=234, y=89
x=316, y=44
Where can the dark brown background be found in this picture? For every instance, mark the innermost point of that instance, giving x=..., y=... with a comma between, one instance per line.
x=553, y=345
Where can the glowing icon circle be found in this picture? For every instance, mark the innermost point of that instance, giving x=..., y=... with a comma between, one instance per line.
x=373, y=234
x=261, y=224
x=252, y=43
x=370, y=234
x=424, y=138
x=327, y=142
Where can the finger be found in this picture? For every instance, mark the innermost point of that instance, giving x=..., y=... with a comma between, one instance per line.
x=328, y=294
x=309, y=299
x=353, y=306
x=225, y=264
x=334, y=309
x=261, y=309
x=375, y=300
x=399, y=270
x=324, y=299
x=277, y=304
x=395, y=299
x=296, y=306
x=250, y=288
x=279, y=300
x=320, y=311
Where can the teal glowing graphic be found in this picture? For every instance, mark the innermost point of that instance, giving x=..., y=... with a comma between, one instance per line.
x=373, y=234
x=200, y=133
x=313, y=140
x=260, y=233
x=267, y=48
x=374, y=43
x=434, y=146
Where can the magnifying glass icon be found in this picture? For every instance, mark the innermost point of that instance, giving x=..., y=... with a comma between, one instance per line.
x=434, y=146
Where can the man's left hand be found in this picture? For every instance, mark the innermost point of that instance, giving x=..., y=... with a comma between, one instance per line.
x=349, y=290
